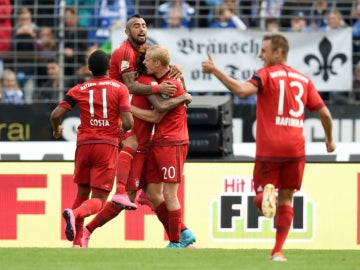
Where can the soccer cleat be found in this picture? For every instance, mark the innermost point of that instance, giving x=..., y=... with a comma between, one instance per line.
x=144, y=201
x=85, y=238
x=70, y=230
x=187, y=238
x=174, y=245
x=123, y=200
x=278, y=257
x=268, y=204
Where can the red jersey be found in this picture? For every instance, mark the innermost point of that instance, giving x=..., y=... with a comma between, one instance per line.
x=100, y=102
x=122, y=60
x=172, y=129
x=283, y=94
x=143, y=129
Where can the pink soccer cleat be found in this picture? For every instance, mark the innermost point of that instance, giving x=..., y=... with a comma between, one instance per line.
x=144, y=201
x=85, y=238
x=70, y=230
x=123, y=200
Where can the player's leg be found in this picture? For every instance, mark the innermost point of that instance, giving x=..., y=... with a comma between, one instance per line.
x=125, y=158
x=290, y=179
x=174, y=213
x=83, y=194
x=265, y=177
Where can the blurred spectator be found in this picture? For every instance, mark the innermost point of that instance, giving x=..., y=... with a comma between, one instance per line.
x=356, y=34
x=187, y=12
x=334, y=20
x=174, y=19
x=76, y=39
x=5, y=25
x=24, y=47
x=83, y=72
x=272, y=25
x=210, y=6
x=11, y=91
x=345, y=7
x=356, y=84
x=43, y=11
x=47, y=51
x=49, y=90
x=107, y=14
x=318, y=15
x=85, y=10
x=225, y=18
x=292, y=7
x=298, y=23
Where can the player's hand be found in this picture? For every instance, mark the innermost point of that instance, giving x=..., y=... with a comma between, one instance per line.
x=208, y=66
x=188, y=99
x=57, y=133
x=330, y=146
x=176, y=72
x=167, y=88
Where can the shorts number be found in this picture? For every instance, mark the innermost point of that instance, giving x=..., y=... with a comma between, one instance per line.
x=169, y=173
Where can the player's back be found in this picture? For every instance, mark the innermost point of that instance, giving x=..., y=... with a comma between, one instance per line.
x=281, y=104
x=100, y=102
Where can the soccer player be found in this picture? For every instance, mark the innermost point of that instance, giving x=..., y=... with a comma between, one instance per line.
x=283, y=93
x=104, y=112
x=143, y=132
x=168, y=151
x=123, y=67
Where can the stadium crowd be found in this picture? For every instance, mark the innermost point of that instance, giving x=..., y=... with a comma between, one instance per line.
x=45, y=42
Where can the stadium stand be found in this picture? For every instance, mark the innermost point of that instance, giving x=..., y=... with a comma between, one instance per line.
x=45, y=13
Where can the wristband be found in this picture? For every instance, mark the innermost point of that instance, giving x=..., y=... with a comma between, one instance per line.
x=155, y=88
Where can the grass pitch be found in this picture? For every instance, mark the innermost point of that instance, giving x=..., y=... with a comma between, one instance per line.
x=197, y=259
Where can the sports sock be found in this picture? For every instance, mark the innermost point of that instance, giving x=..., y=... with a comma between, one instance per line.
x=174, y=225
x=163, y=215
x=109, y=212
x=87, y=208
x=125, y=158
x=283, y=222
x=79, y=222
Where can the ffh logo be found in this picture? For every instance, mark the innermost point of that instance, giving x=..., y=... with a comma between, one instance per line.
x=325, y=65
x=234, y=217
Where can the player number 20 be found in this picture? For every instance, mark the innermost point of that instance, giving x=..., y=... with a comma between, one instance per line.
x=169, y=173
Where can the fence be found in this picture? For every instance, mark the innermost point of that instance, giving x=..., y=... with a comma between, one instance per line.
x=53, y=59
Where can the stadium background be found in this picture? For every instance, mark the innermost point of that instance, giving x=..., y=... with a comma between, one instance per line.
x=35, y=174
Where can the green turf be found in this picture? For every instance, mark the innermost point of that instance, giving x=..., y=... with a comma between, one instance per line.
x=145, y=259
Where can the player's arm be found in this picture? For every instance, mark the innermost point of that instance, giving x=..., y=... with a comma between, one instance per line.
x=164, y=105
x=136, y=88
x=55, y=120
x=127, y=121
x=326, y=121
x=241, y=89
x=152, y=116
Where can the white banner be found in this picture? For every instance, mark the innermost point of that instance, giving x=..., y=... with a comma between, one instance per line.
x=324, y=56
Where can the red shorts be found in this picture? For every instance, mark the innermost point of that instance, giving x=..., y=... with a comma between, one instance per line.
x=126, y=135
x=286, y=174
x=166, y=163
x=136, y=178
x=95, y=165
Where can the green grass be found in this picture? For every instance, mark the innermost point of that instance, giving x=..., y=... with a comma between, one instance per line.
x=197, y=259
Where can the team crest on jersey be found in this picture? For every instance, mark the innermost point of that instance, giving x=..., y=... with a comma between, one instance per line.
x=125, y=65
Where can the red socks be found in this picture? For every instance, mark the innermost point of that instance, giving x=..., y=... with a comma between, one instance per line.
x=109, y=212
x=125, y=158
x=283, y=222
x=87, y=208
x=162, y=214
x=174, y=225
